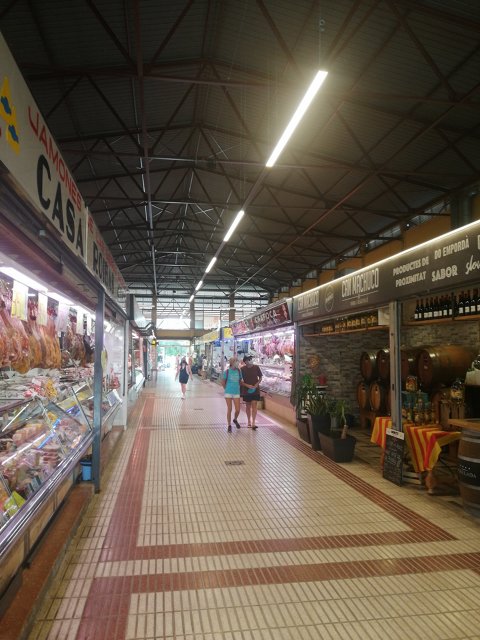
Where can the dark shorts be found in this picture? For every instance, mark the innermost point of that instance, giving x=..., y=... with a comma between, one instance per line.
x=183, y=378
x=248, y=397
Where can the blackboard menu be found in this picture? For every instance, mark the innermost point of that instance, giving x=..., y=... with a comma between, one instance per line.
x=393, y=458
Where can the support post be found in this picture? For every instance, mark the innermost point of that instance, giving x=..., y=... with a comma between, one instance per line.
x=97, y=389
x=395, y=309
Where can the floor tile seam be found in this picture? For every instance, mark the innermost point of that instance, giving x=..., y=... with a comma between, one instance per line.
x=284, y=574
x=266, y=560
x=255, y=546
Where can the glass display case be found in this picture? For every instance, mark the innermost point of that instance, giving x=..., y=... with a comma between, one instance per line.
x=273, y=351
x=277, y=378
x=80, y=406
x=36, y=438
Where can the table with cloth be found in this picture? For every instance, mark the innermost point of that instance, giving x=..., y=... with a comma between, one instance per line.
x=424, y=443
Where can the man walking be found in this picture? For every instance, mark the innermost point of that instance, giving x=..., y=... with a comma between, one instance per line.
x=251, y=379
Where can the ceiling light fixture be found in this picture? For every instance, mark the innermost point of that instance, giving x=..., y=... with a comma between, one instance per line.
x=191, y=297
x=297, y=116
x=59, y=298
x=234, y=225
x=210, y=264
x=11, y=272
x=199, y=285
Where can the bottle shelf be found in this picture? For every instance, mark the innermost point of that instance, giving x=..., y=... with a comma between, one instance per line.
x=412, y=323
x=379, y=327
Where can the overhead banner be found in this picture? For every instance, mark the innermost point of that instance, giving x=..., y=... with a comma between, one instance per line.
x=447, y=262
x=212, y=336
x=273, y=316
x=100, y=261
x=29, y=152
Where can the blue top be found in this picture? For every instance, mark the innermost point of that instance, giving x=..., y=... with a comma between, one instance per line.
x=233, y=381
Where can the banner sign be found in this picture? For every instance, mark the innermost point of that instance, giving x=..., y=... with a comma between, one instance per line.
x=29, y=152
x=447, y=262
x=100, y=261
x=227, y=333
x=273, y=316
x=210, y=337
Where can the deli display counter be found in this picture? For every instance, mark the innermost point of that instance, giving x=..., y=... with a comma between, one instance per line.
x=41, y=444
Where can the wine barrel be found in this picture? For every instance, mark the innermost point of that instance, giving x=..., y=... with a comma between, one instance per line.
x=408, y=358
x=469, y=469
x=383, y=364
x=441, y=365
x=368, y=365
x=363, y=397
x=378, y=396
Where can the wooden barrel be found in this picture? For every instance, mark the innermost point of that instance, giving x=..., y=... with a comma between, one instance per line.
x=378, y=396
x=368, y=365
x=442, y=365
x=408, y=363
x=363, y=397
x=469, y=469
x=383, y=364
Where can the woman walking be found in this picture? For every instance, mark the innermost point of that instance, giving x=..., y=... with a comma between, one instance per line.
x=183, y=373
x=231, y=382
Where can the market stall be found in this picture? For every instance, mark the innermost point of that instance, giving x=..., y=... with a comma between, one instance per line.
x=407, y=359
x=57, y=284
x=268, y=335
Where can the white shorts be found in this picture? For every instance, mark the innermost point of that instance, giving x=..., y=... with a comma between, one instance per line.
x=232, y=395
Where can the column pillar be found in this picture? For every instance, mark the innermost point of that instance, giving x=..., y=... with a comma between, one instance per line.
x=231, y=304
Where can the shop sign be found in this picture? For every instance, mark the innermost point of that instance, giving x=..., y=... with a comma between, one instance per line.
x=227, y=333
x=445, y=263
x=269, y=318
x=212, y=336
x=32, y=157
x=100, y=261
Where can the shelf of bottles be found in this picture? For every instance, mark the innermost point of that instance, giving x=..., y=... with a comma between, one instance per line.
x=448, y=307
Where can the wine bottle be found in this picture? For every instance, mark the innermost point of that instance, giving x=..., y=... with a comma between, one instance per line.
x=461, y=304
x=466, y=303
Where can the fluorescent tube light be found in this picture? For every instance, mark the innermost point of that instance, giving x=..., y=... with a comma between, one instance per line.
x=210, y=264
x=11, y=272
x=234, y=225
x=59, y=298
x=191, y=297
x=199, y=285
x=297, y=116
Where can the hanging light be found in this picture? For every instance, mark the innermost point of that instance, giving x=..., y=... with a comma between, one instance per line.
x=234, y=225
x=210, y=264
x=297, y=116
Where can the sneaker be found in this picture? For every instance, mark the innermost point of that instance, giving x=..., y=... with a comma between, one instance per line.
x=254, y=426
x=229, y=428
x=237, y=424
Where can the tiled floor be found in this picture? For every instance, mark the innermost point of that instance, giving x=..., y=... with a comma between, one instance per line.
x=203, y=535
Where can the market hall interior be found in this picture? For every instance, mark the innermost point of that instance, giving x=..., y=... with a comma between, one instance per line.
x=202, y=534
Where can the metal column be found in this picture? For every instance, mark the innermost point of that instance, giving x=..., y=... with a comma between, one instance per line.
x=395, y=309
x=97, y=389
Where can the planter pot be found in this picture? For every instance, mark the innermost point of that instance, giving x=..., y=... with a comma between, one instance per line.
x=303, y=430
x=338, y=449
x=318, y=424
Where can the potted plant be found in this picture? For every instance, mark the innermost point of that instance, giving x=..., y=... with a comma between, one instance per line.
x=318, y=406
x=338, y=444
x=300, y=392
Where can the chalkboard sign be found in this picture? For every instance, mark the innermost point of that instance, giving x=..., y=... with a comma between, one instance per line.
x=393, y=458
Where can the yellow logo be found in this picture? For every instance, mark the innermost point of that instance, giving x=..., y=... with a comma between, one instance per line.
x=9, y=115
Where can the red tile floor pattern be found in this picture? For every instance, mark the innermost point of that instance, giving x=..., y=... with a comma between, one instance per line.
x=287, y=544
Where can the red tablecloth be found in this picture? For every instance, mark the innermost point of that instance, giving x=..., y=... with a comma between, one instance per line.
x=424, y=442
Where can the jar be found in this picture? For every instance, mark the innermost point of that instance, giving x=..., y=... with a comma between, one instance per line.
x=457, y=390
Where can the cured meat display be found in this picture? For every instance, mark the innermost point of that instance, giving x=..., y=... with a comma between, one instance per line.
x=25, y=345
